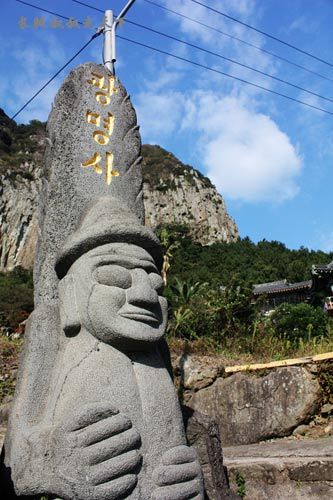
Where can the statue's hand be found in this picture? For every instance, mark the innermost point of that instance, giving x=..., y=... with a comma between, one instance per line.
x=179, y=476
x=97, y=454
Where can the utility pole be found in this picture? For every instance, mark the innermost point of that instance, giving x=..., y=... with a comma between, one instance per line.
x=110, y=26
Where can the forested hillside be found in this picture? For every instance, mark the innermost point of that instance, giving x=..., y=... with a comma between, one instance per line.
x=242, y=261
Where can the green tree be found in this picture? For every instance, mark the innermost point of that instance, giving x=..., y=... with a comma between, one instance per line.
x=300, y=321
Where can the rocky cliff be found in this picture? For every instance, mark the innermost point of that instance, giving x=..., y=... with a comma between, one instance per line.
x=174, y=193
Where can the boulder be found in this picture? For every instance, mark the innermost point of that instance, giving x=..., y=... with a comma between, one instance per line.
x=203, y=434
x=251, y=408
x=196, y=372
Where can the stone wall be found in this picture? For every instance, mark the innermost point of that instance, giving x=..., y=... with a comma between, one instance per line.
x=249, y=407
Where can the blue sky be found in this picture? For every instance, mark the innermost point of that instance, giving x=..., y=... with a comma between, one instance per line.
x=270, y=158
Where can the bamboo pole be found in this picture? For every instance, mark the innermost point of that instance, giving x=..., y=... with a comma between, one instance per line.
x=277, y=364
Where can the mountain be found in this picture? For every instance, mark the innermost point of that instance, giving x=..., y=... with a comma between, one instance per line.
x=174, y=193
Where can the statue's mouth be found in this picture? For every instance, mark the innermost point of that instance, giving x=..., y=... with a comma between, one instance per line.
x=139, y=314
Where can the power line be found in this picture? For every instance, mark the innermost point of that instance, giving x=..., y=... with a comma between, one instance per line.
x=45, y=10
x=233, y=37
x=56, y=74
x=225, y=74
x=181, y=59
x=90, y=6
x=262, y=32
x=179, y=40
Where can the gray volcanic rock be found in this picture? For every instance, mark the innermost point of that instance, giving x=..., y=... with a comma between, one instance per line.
x=173, y=193
x=203, y=434
x=74, y=139
x=95, y=413
x=252, y=408
x=18, y=218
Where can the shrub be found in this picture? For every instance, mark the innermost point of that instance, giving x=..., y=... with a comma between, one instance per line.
x=300, y=321
x=16, y=296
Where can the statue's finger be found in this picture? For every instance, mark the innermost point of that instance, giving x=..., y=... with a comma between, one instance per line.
x=111, y=447
x=179, y=455
x=89, y=414
x=118, y=488
x=115, y=467
x=103, y=429
x=184, y=491
x=173, y=474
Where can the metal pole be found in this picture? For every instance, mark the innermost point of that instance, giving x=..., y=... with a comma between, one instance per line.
x=109, y=52
x=108, y=42
x=125, y=9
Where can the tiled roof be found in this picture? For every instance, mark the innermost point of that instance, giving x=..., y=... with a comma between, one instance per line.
x=281, y=287
x=320, y=268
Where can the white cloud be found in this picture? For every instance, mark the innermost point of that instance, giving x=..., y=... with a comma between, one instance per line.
x=245, y=153
x=159, y=115
x=241, y=8
x=217, y=42
x=36, y=62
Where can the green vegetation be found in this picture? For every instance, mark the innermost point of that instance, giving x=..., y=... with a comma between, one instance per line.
x=16, y=297
x=159, y=165
x=16, y=303
x=243, y=261
x=9, y=350
x=293, y=322
x=211, y=305
x=19, y=144
x=240, y=482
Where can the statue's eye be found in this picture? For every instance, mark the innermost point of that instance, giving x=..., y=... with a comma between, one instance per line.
x=156, y=282
x=113, y=275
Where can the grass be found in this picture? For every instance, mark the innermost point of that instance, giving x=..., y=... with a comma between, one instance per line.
x=249, y=350
x=9, y=356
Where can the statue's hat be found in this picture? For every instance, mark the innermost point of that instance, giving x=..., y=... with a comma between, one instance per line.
x=107, y=220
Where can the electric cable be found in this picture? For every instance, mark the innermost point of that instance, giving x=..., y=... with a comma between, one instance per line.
x=89, y=6
x=233, y=61
x=233, y=37
x=261, y=32
x=45, y=10
x=56, y=74
x=176, y=57
x=242, y=80
x=179, y=40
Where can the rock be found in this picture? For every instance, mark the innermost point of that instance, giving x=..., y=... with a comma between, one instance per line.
x=203, y=434
x=282, y=469
x=329, y=429
x=301, y=430
x=250, y=408
x=196, y=372
x=4, y=413
x=175, y=193
x=326, y=409
x=18, y=219
x=95, y=412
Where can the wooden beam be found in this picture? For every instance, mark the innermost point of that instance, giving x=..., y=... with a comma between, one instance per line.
x=278, y=364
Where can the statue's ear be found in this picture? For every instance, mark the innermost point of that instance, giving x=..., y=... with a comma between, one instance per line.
x=69, y=313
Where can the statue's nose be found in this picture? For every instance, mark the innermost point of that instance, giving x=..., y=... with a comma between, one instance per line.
x=141, y=291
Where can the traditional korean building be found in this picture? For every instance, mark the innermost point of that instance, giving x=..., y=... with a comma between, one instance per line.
x=317, y=291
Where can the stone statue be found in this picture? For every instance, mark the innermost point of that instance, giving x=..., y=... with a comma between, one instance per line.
x=95, y=415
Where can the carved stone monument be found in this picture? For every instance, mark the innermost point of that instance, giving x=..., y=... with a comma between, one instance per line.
x=95, y=415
